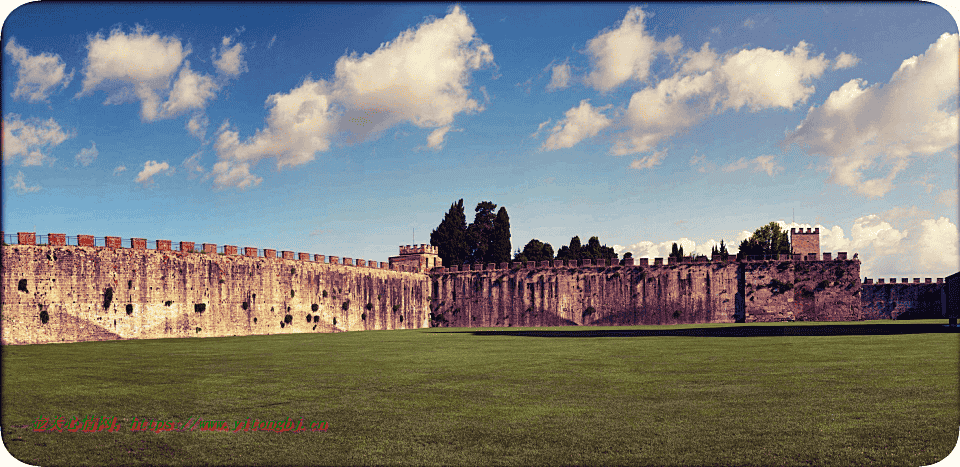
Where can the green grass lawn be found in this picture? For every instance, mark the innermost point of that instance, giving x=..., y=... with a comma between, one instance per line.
x=450, y=396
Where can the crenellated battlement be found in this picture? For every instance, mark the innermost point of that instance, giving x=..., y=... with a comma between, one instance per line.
x=905, y=280
x=184, y=248
x=422, y=248
x=640, y=262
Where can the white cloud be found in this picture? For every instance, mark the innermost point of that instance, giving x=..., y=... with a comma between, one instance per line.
x=758, y=164
x=420, y=78
x=937, y=245
x=560, y=78
x=299, y=125
x=119, y=169
x=625, y=53
x=191, y=91
x=578, y=124
x=86, y=156
x=151, y=168
x=947, y=196
x=272, y=41
x=197, y=126
x=30, y=139
x=845, y=60
x=37, y=75
x=435, y=140
x=914, y=114
x=140, y=66
x=540, y=127
x=649, y=161
x=230, y=60
x=21, y=187
x=761, y=78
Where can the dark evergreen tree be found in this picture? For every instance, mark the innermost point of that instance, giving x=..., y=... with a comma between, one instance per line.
x=674, y=252
x=723, y=250
x=450, y=236
x=480, y=231
x=500, y=238
x=535, y=250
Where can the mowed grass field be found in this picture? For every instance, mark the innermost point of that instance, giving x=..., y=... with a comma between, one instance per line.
x=664, y=395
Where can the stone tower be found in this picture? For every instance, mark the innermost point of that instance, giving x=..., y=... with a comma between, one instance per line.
x=421, y=257
x=806, y=243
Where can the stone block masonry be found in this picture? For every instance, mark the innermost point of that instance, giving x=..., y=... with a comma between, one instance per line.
x=72, y=293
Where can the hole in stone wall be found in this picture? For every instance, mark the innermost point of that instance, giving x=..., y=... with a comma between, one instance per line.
x=168, y=303
x=369, y=306
x=334, y=320
x=244, y=305
x=363, y=316
x=288, y=309
x=314, y=327
x=282, y=324
x=288, y=319
x=397, y=307
x=129, y=309
x=401, y=318
x=315, y=307
x=309, y=318
x=129, y=284
x=316, y=319
x=292, y=293
x=22, y=285
x=198, y=329
x=254, y=296
x=271, y=308
x=199, y=307
x=345, y=305
x=44, y=317
x=107, y=297
x=324, y=294
x=254, y=320
x=49, y=257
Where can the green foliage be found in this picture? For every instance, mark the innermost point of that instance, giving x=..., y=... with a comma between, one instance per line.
x=346, y=305
x=369, y=306
x=720, y=251
x=535, y=250
x=480, y=232
x=395, y=308
x=363, y=316
x=500, y=238
x=676, y=314
x=589, y=311
x=450, y=237
x=292, y=293
x=324, y=294
x=767, y=240
x=593, y=251
x=779, y=287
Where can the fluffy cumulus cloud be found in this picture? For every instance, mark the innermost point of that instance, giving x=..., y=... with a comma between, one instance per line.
x=579, y=123
x=299, y=125
x=704, y=82
x=151, y=168
x=21, y=186
x=560, y=77
x=845, y=60
x=30, y=139
x=761, y=78
x=420, y=77
x=625, y=53
x=880, y=127
x=141, y=66
x=86, y=156
x=37, y=75
x=230, y=59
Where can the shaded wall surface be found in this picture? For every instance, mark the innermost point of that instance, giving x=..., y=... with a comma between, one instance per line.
x=903, y=301
x=700, y=292
x=71, y=293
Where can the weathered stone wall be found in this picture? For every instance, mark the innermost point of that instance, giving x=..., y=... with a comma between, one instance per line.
x=687, y=292
x=903, y=300
x=802, y=290
x=159, y=294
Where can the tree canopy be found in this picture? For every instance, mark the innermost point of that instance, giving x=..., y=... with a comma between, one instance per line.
x=767, y=240
x=486, y=240
x=720, y=251
x=593, y=250
x=535, y=250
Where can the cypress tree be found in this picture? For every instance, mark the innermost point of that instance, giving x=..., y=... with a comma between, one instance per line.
x=450, y=236
x=500, y=238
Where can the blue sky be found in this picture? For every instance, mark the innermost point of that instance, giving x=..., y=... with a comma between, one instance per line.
x=346, y=130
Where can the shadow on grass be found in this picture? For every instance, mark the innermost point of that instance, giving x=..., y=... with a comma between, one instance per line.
x=737, y=331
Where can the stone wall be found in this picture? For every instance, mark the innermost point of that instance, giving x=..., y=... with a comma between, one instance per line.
x=73, y=293
x=904, y=300
x=686, y=292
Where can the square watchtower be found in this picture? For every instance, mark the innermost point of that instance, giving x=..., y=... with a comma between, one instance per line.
x=805, y=243
x=421, y=257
